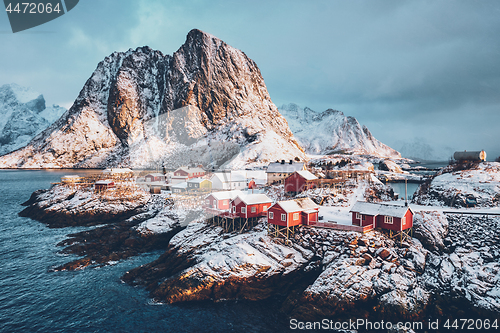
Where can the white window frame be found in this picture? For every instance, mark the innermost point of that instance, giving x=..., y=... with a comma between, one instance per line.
x=207, y=202
x=283, y=217
x=388, y=220
x=253, y=209
x=403, y=220
x=264, y=208
x=271, y=215
x=295, y=216
x=358, y=216
x=234, y=209
x=243, y=210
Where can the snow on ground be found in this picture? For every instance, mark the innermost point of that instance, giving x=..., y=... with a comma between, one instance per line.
x=481, y=183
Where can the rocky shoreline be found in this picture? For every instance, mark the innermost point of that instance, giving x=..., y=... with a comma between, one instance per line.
x=448, y=269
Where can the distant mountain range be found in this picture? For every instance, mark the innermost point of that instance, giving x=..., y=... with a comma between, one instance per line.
x=331, y=131
x=23, y=115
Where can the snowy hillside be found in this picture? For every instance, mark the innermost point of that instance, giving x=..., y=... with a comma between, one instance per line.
x=205, y=104
x=331, y=131
x=23, y=115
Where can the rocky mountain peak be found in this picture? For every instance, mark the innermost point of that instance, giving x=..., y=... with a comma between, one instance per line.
x=141, y=107
x=331, y=131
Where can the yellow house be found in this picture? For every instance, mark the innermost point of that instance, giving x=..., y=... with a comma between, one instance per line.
x=199, y=184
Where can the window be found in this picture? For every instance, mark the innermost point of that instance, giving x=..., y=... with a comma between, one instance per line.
x=243, y=210
x=271, y=215
x=234, y=209
x=264, y=208
x=295, y=216
x=358, y=216
x=283, y=217
x=403, y=220
x=253, y=210
x=363, y=217
x=388, y=219
x=207, y=202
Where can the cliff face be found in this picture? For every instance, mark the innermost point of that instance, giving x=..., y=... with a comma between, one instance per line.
x=141, y=108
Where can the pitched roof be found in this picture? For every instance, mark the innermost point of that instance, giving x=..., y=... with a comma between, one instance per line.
x=180, y=185
x=225, y=194
x=197, y=180
x=190, y=170
x=277, y=167
x=306, y=175
x=157, y=174
x=252, y=199
x=375, y=209
x=297, y=205
x=233, y=176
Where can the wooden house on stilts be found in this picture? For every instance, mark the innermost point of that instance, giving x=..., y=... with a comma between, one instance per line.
x=398, y=220
x=284, y=216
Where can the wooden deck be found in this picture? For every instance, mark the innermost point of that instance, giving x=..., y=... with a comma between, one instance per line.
x=343, y=227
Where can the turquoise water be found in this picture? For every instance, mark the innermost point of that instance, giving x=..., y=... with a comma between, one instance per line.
x=32, y=299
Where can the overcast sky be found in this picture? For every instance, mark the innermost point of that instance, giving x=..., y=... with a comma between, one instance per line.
x=425, y=71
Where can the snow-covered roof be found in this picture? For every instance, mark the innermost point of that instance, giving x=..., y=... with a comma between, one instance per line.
x=197, y=180
x=179, y=177
x=225, y=194
x=298, y=205
x=375, y=209
x=233, y=176
x=253, y=199
x=104, y=182
x=180, y=185
x=277, y=167
x=190, y=170
x=306, y=175
x=157, y=174
x=71, y=177
x=256, y=174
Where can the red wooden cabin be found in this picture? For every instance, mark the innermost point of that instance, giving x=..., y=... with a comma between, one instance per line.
x=293, y=212
x=250, y=205
x=219, y=201
x=300, y=181
x=155, y=177
x=102, y=185
x=390, y=217
x=189, y=172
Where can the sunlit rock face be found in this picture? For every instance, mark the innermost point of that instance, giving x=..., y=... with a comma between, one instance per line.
x=126, y=113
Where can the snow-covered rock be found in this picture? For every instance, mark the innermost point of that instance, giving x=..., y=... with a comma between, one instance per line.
x=23, y=115
x=332, y=132
x=205, y=104
x=430, y=228
x=457, y=187
x=221, y=266
x=62, y=206
x=391, y=166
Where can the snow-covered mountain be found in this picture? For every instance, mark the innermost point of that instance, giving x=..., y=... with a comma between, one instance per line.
x=205, y=104
x=331, y=131
x=23, y=115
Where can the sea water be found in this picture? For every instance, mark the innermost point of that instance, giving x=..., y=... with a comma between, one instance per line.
x=34, y=299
